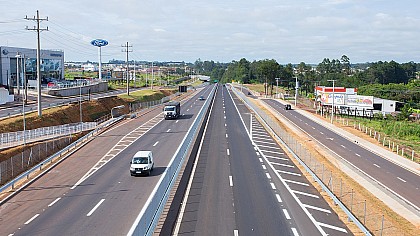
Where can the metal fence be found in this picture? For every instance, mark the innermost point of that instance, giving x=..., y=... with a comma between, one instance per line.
x=363, y=208
x=14, y=166
x=382, y=139
x=21, y=137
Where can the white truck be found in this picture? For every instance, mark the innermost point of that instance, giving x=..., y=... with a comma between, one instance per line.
x=172, y=110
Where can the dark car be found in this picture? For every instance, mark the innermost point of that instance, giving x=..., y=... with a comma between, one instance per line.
x=288, y=107
x=201, y=98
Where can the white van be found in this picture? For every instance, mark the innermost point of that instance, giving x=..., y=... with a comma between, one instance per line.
x=141, y=163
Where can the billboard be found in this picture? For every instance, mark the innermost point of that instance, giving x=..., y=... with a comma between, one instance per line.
x=360, y=101
x=327, y=98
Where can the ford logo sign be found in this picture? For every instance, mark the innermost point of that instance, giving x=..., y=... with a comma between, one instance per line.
x=99, y=42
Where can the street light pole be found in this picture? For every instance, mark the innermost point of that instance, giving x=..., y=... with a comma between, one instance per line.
x=17, y=74
x=80, y=105
x=333, y=95
x=296, y=91
x=277, y=87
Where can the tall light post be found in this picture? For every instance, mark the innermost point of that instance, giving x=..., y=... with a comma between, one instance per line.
x=277, y=87
x=153, y=77
x=80, y=103
x=333, y=98
x=296, y=90
x=17, y=73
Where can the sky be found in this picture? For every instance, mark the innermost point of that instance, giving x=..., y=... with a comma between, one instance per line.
x=289, y=31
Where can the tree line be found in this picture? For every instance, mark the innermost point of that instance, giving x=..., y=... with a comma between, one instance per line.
x=388, y=80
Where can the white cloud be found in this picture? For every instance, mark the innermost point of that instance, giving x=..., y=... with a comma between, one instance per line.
x=288, y=31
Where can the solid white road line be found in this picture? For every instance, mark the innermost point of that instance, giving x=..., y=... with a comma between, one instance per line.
x=278, y=158
x=230, y=181
x=268, y=175
x=30, y=220
x=279, y=164
x=295, y=232
x=286, y=214
x=317, y=208
x=264, y=142
x=253, y=138
x=96, y=207
x=228, y=153
x=332, y=227
x=273, y=186
x=154, y=145
x=271, y=152
x=52, y=203
x=296, y=182
x=401, y=179
x=278, y=198
x=377, y=165
x=288, y=173
x=235, y=232
x=271, y=147
x=305, y=194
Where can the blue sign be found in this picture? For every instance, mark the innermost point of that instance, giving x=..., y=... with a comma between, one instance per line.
x=99, y=42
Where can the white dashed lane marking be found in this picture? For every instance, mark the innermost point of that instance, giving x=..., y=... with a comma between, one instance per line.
x=401, y=179
x=30, y=220
x=52, y=203
x=286, y=214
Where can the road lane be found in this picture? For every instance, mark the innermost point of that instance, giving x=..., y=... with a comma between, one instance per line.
x=124, y=195
x=260, y=202
x=387, y=174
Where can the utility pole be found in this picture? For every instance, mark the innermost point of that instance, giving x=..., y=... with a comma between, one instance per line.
x=127, y=50
x=38, y=56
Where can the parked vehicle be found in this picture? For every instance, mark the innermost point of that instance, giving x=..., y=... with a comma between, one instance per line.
x=142, y=163
x=172, y=110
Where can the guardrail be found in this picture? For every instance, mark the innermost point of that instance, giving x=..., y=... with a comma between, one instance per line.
x=324, y=187
x=20, y=137
x=148, y=218
x=56, y=157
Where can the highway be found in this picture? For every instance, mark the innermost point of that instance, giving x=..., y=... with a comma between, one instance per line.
x=92, y=192
x=400, y=182
x=245, y=184
x=50, y=101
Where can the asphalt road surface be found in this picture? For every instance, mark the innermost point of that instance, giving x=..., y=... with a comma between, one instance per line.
x=245, y=185
x=92, y=192
x=403, y=183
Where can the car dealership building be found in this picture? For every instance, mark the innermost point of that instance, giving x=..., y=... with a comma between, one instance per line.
x=52, y=66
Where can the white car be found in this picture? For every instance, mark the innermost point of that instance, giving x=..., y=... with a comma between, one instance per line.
x=142, y=163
